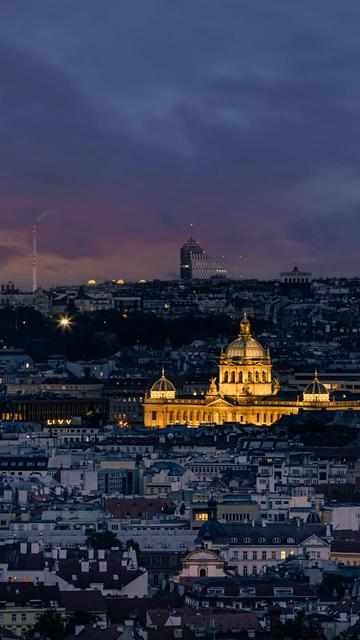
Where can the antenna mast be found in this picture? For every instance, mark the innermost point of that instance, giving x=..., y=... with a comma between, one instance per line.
x=34, y=259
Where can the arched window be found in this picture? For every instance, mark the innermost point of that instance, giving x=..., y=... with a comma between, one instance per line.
x=226, y=377
x=241, y=377
x=263, y=376
x=202, y=573
x=233, y=377
x=249, y=376
x=256, y=376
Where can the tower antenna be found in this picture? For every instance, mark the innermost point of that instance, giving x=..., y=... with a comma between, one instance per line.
x=34, y=257
x=37, y=217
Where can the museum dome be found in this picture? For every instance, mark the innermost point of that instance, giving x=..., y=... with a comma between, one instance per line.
x=315, y=387
x=313, y=518
x=163, y=387
x=245, y=347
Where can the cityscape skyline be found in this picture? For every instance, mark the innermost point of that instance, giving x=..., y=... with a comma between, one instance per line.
x=44, y=280
x=250, y=134
x=179, y=320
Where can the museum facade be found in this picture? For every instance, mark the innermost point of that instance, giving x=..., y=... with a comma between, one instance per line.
x=246, y=391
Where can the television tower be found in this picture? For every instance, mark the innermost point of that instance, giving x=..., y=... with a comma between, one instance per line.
x=34, y=258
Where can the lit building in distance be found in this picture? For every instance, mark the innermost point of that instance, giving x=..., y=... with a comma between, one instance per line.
x=244, y=392
x=195, y=264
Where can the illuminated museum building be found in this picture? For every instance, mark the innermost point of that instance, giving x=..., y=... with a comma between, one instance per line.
x=245, y=392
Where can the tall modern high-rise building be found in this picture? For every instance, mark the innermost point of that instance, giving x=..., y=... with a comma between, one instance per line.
x=195, y=264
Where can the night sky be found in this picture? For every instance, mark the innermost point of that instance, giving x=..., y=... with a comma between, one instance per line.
x=129, y=120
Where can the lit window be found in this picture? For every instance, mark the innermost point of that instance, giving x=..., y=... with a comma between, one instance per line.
x=283, y=555
x=201, y=517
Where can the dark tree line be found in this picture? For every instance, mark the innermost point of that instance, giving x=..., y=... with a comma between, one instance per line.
x=100, y=334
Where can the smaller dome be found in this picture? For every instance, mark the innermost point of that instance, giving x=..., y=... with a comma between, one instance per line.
x=214, y=531
x=316, y=388
x=163, y=387
x=313, y=518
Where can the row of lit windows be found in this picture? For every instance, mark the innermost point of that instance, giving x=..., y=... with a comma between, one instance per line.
x=230, y=377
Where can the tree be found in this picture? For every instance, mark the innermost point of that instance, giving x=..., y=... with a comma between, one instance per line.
x=82, y=618
x=50, y=626
x=102, y=540
x=133, y=545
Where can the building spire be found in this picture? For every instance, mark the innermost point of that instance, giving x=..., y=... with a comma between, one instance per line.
x=245, y=326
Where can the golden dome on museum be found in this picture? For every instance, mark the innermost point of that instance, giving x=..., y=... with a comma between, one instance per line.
x=163, y=387
x=245, y=347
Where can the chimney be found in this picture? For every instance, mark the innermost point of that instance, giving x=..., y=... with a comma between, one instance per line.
x=35, y=547
x=91, y=554
x=103, y=566
x=101, y=554
x=85, y=566
x=23, y=547
x=62, y=554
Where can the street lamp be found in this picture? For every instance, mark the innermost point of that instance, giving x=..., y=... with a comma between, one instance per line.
x=64, y=322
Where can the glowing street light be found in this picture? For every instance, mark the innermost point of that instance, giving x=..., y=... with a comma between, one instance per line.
x=64, y=322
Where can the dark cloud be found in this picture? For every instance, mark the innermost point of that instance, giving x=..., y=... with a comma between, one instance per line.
x=7, y=254
x=133, y=119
